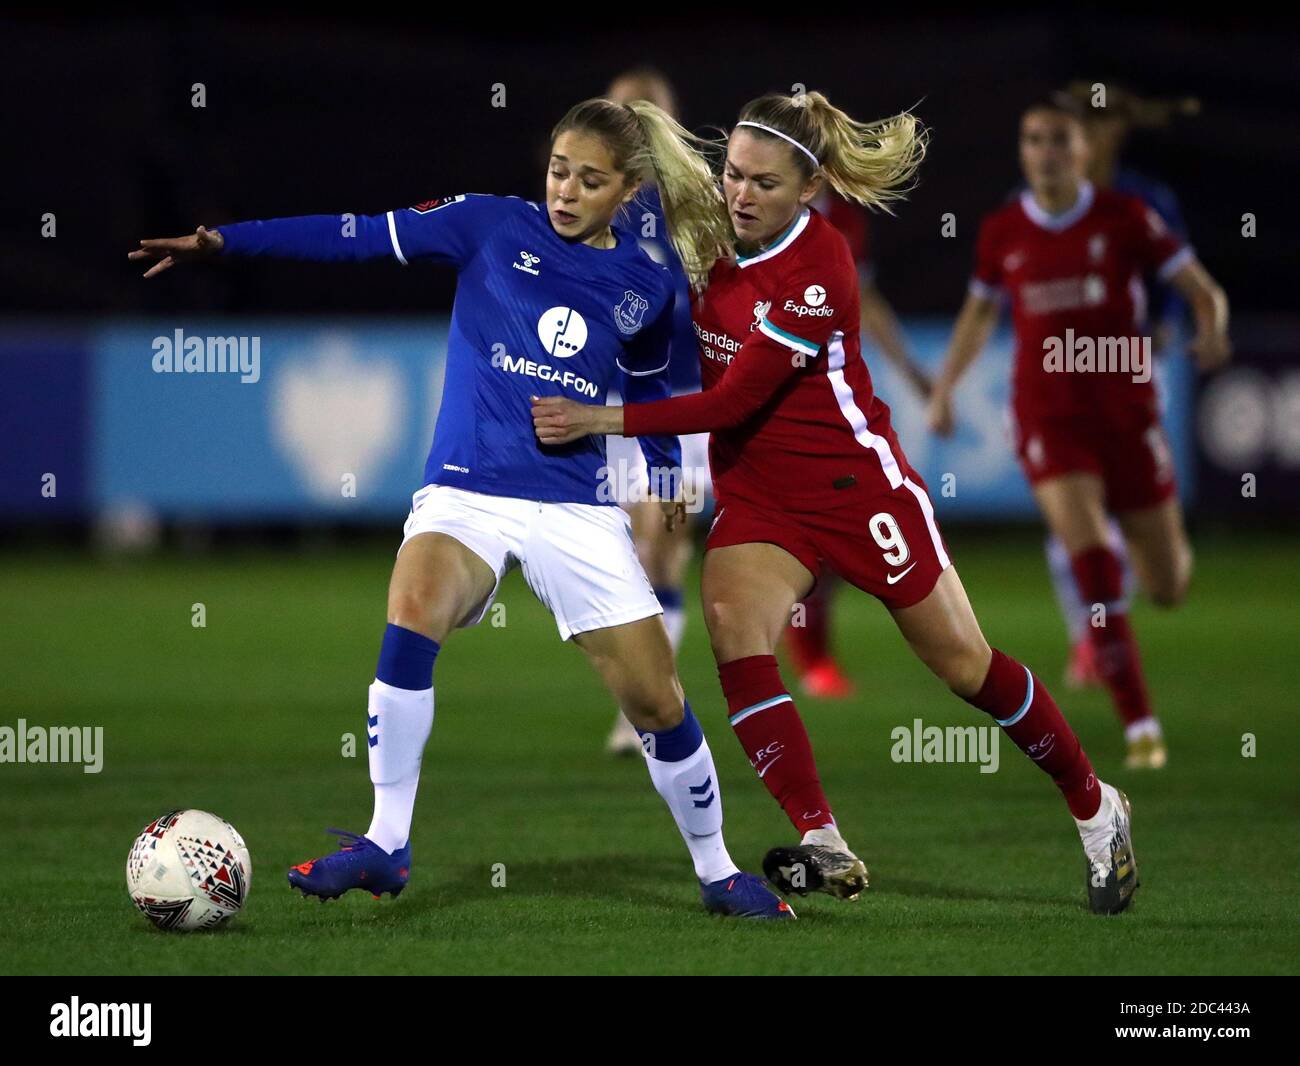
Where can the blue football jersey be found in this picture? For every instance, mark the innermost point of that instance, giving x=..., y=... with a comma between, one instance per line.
x=534, y=315
x=645, y=216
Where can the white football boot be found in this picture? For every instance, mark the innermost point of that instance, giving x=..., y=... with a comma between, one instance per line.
x=1108, y=844
x=821, y=862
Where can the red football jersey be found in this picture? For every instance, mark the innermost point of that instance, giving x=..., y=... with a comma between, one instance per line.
x=786, y=393
x=1079, y=271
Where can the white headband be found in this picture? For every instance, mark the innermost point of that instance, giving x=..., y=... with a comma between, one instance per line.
x=784, y=137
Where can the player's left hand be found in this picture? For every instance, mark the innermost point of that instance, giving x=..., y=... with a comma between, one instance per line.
x=1210, y=350
x=557, y=420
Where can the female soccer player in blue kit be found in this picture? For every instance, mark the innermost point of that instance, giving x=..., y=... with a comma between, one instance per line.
x=552, y=300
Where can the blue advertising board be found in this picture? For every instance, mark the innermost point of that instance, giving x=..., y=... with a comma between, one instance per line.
x=45, y=415
x=282, y=419
x=266, y=419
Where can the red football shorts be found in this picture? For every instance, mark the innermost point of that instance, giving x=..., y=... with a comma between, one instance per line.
x=885, y=541
x=1131, y=456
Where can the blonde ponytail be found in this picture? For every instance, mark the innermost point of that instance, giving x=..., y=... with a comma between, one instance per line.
x=694, y=209
x=648, y=145
x=872, y=163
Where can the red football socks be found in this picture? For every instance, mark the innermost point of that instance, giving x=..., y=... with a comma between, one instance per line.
x=769, y=728
x=1100, y=579
x=1025, y=710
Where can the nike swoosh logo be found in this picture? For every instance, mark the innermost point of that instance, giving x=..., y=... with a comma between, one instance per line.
x=770, y=765
x=893, y=579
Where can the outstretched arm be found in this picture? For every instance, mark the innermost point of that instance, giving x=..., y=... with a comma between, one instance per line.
x=323, y=238
x=757, y=373
x=448, y=230
x=778, y=347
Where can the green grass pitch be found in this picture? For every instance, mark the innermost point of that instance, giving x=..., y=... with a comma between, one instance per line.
x=970, y=872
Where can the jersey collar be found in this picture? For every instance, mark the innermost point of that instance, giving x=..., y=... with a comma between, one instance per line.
x=1066, y=219
x=780, y=244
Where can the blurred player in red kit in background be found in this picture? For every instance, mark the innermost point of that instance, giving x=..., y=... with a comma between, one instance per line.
x=1071, y=257
x=1110, y=113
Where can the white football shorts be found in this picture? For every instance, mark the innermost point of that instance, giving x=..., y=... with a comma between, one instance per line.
x=578, y=558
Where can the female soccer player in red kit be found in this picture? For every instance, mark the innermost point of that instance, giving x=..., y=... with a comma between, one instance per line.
x=1071, y=257
x=807, y=470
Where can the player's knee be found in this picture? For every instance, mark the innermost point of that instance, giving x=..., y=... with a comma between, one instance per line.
x=733, y=631
x=964, y=668
x=1169, y=590
x=717, y=614
x=413, y=607
x=654, y=709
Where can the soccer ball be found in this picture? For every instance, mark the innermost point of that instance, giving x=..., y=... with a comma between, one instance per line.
x=188, y=870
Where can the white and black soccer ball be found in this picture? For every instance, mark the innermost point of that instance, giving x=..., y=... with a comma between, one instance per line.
x=189, y=870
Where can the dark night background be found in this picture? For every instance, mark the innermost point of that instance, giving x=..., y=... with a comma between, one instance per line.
x=312, y=113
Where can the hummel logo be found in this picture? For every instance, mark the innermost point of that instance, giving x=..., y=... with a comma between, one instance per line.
x=529, y=262
x=894, y=579
x=699, y=790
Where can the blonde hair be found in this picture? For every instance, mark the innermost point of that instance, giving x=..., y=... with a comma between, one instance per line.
x=649, y=145
x=872, y=163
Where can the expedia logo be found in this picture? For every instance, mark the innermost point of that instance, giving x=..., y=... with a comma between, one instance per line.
x=804, y=311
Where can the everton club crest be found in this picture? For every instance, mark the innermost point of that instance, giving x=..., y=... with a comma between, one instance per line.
x=630, y=312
